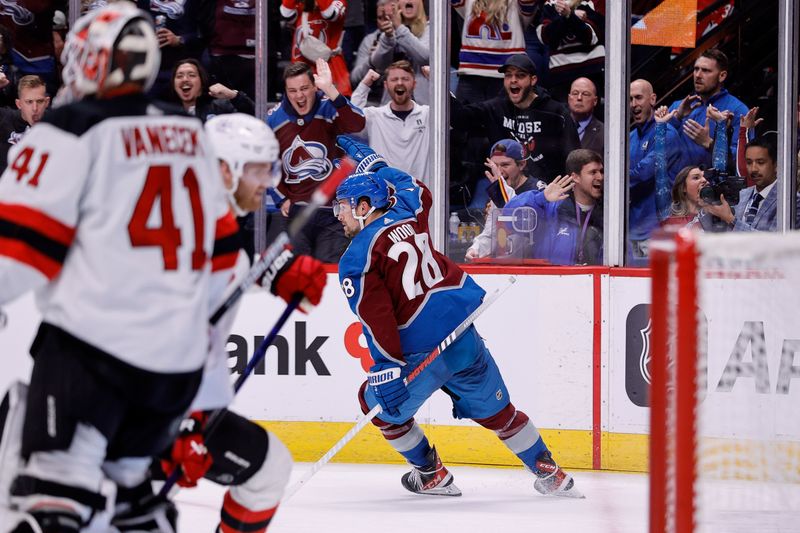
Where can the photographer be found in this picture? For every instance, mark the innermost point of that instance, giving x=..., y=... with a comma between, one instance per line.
x=682, y=203
x=757, y=207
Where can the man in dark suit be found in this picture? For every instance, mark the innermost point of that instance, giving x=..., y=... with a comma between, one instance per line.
x=582, y=100
x=757, y=209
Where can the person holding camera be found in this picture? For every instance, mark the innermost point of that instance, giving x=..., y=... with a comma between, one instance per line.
x=682, y=203
x=757, y=209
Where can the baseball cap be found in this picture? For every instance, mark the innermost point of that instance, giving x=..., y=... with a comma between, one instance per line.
x=509, y=148
x=521, y=61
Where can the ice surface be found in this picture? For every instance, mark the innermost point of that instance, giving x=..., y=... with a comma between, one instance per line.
x=369, y=498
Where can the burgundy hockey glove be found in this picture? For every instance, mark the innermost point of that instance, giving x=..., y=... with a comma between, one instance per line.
x=189, y=451
x=291, y=274
x=388, y=386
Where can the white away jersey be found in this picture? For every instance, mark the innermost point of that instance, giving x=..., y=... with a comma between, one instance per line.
x=110, y=207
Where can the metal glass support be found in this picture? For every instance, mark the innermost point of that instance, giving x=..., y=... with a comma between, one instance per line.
x=439, y=181
x=787, y=113
x=618, y=47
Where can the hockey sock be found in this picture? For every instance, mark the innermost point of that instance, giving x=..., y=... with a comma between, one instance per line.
x=407, y=438
x=236, y=518
x=517, y=432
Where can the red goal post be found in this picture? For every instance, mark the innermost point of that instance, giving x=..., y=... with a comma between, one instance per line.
x=725, y=382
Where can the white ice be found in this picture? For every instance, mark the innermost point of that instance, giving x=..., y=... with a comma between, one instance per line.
x=369, y=498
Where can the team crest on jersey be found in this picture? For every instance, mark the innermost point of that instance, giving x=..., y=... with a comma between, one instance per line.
x=478, y=28
x=306, y=160
x=20, y=15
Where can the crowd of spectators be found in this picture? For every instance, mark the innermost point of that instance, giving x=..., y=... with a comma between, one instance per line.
x=527, y=80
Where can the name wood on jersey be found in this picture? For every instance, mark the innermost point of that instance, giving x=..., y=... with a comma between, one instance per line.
x=160, y=139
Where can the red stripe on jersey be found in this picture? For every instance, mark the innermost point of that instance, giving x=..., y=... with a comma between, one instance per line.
x=226, y=226
x=38, y=221
x=224, y=262
x=504, y=51
x=25, y=253
x=226, y=243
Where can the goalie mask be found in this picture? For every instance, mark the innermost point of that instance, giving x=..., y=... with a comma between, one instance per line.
x=250, y=149
x=362, y=185
x=110, y=50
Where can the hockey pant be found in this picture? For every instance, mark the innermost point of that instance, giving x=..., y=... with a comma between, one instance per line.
x=256, y=465
x=89, y=418
x=467, y=372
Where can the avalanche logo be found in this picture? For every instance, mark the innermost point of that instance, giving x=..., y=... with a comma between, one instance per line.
x=477, y=28
x=20, y=15
x=306, y=160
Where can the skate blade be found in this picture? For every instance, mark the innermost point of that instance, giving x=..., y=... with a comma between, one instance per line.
x=571, y=493
x=450, y=490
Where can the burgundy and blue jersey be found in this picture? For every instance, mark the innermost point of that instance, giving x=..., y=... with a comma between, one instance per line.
x=408, y=296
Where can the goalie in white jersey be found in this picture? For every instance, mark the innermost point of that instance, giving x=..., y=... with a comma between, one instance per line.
x=108, y=209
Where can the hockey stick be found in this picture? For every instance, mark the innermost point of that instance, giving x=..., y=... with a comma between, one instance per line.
x=320, y=197
x=375, y=411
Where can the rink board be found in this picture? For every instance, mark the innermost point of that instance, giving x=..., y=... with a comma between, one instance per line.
x=569, y=342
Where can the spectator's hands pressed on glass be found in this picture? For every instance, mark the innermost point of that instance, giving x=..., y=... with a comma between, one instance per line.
x=663, y=114
x=323, y=79
x=370, y=77
x=220, y=91
x=471, y=254
x=426, y=71
x=687, y=105
x=749, y=120
x=557, y=190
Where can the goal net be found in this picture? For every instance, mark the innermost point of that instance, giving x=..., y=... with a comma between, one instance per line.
x=725, y=394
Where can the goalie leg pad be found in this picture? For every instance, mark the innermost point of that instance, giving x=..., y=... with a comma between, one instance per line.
x=12, y=415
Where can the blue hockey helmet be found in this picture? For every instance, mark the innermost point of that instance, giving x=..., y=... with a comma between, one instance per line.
x=362, y=185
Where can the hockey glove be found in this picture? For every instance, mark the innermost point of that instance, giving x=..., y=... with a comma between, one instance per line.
x=189, y=451
x=389, y=388
x=291, y=274
x=363, y=154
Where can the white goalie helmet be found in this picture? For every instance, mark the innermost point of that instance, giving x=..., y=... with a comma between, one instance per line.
x=239, y=139
x=109, y=48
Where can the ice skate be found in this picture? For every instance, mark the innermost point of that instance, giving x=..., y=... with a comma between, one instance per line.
x=552, y=480
x=433, y=479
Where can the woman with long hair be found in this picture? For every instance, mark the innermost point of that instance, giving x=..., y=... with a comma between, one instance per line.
x=404, y=34
x=682, y=203
x=190, y=88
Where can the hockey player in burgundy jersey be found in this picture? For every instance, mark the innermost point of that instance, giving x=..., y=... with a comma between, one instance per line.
x=241, y=454
x=306, y=123
x=409, y=297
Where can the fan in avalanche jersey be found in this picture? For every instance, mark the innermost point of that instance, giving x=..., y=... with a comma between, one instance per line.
x=409, y=297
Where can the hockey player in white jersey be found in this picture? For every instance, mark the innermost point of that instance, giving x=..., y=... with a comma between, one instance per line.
x=108, y=209
x=241, y=454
